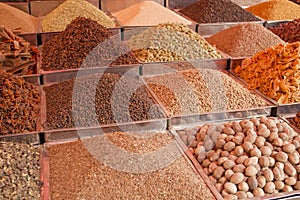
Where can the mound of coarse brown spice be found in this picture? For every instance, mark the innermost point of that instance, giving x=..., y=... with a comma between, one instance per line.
x=244, y=40
x=213, y=11
x=201, y=91
x=69, y=49
x=19, y=105
x=176, y=180
x=289, y=31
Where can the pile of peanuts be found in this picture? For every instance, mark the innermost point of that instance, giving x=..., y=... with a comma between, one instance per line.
x=247, y=158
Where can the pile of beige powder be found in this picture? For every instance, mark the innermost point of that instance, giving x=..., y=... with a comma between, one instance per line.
x=64, y=14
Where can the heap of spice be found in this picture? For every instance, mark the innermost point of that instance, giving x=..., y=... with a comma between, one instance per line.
x=213, y=11
x=19, y=105
x=176, y=180
x=148, y=13
x=289, y=31
x=64, y=14
x=20, y=171
x=275, y=72
x=276, y=10
x=171, y=42
x=16, y=55
x=17, y=20
x=114, y=100
x=248, y=158
x=70, y=48
x=201, y=91
x=244, y=40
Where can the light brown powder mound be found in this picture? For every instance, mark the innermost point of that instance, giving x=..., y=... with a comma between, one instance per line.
x=244, y=40
x=76, y=174
x=64, y=14
x=15, y=19
x=276, y=10
x=148, y=13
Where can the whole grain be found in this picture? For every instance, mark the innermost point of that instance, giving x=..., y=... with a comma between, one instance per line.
x=19, y=105
x=289, y=31
x=213, y=11
x=17, y=20
x=148, y=13
x=276, y=10
x=177, y=180
x=244, y=40
x=171, y=42
x=275, y=72
x=65, y=13
x=111, y=98
x=200, y=91
x=84, y=37
x=20, y=171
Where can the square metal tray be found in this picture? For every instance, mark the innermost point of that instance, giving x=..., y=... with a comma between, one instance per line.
x=145, y=125
x=188, y=118
x=184, y=153
x=174, y=130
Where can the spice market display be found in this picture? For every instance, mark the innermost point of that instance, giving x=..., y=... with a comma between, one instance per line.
x=168, y=99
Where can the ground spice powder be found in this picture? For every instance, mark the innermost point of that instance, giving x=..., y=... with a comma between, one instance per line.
x=212, y=11
x=244, y=40
x=148, y=13
x=175, y=181
x=276, y=10
x=59, y=18
x=17, y=20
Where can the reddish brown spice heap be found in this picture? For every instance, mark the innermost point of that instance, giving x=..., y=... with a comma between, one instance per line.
x=289, y=31
x=19, y=105
x=70, y=48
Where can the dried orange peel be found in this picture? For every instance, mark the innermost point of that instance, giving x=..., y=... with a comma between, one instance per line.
x=275, y=72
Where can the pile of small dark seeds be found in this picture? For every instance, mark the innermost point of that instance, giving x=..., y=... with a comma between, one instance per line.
x=70, y=48
x=212, y=11
x=111, y=105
